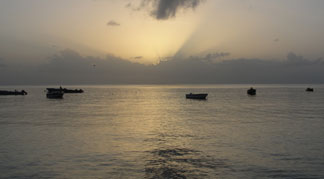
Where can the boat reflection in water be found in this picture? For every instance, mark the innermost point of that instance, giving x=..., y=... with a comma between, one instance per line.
x=196, y=96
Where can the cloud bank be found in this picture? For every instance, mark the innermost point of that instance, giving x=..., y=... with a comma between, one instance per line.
x=69, y=67
x=165, y=9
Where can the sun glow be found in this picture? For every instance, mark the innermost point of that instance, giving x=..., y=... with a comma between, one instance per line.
x=149, y=39
x=136, y=38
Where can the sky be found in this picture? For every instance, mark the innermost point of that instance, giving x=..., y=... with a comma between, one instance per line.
x=161, y=41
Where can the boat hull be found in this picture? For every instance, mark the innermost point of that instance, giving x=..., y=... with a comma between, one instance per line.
x=310, y=90
x=65, y=90
x=55, y=95
x=196, y=96
x=73, y=91
x=15, y=93
x=251, y=92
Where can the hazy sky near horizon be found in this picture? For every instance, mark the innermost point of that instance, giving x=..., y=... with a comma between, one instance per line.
x=149, y=30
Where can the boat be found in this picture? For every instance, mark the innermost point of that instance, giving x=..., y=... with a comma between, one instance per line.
x=22, y=92
x=54, y=94
x=251, y=91
x=310, y=89
x=66, y=90
x=196, y=96
x=72, y=91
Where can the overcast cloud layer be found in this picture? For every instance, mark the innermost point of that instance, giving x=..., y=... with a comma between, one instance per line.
x=71, y=68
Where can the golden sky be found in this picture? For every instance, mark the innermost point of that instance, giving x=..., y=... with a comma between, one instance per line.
x=142, y=32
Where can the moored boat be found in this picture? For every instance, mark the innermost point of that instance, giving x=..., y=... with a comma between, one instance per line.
x=73, y=91
x=310, y=89
x=251, y=91
x=196, y=96
x=65, y=90
x=22, y=92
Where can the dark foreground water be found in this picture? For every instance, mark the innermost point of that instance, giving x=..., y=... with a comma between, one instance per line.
x=154, y=132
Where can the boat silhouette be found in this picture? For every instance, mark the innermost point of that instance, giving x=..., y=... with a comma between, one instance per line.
x=251, y=91
x=65, y=90
x=310, y=89
x=196, y=96
x=22, y=92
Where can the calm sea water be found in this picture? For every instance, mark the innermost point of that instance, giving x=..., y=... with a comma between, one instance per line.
x=154, y=132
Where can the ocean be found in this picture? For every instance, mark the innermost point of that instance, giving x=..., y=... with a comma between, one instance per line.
x=153, y=131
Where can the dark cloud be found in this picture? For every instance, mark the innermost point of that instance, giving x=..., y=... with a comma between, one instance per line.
x=129, y=5
x=298, y=60
x=165, y=9
x=212, y=57
x=69, y=67
x=113, y=23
